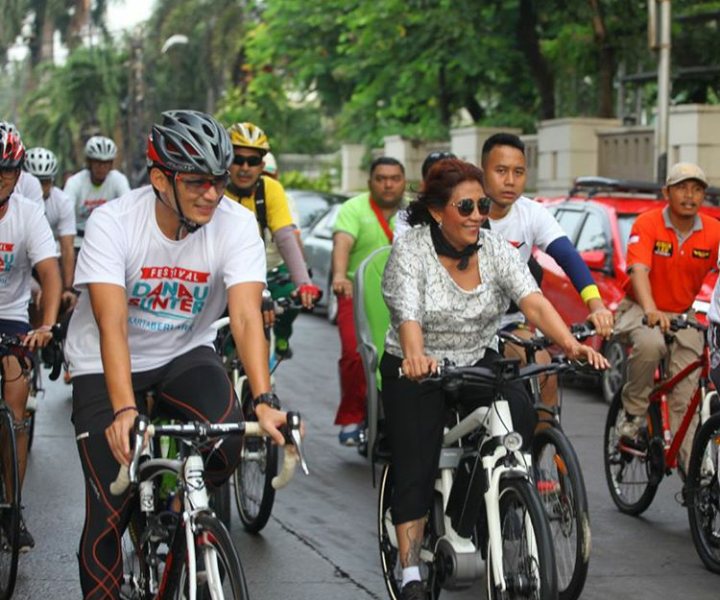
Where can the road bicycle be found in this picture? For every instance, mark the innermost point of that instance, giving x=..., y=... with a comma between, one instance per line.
x=558, y=475
x=486, y=505
x=703, y=493
x=634, y=468
x=10, y=493
x=185, y=555
x=252, y=480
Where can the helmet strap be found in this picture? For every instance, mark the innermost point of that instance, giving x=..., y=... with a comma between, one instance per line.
x=185, y=223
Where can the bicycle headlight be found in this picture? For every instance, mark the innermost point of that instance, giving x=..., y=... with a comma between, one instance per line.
x=513, y=441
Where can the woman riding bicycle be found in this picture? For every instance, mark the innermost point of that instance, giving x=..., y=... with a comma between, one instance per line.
x=158, y=266
x=447, y=284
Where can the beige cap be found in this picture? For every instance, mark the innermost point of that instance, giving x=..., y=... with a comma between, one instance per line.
x=682, y=171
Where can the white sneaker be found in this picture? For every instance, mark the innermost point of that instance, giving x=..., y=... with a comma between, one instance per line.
x=629, y=426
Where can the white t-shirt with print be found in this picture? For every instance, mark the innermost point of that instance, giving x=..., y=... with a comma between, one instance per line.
x=25, y=240
x=528, y=224
x=87, y=196
x=29, y=187
x=60, y=213
x=175, y=289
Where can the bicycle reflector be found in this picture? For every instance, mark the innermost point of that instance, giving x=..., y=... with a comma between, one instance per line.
x=512, y=441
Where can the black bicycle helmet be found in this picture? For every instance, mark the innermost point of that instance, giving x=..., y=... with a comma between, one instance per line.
x=432, y=158
x=188, y=141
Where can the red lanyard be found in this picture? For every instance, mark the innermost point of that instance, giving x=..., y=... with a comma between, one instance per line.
x=381, y=219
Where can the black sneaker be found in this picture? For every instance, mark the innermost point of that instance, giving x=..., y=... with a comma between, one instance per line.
x=414, y=590
x=26, y=542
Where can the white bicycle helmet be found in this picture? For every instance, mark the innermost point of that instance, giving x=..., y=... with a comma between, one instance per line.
x=42, y=163
x=270, y=165
x=100, y=148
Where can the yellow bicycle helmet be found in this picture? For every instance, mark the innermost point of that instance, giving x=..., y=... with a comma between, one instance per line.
x=247, y=135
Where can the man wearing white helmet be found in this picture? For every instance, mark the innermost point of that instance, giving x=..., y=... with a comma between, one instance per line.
x=98, y=183
x=60, y=213
x=27, y=184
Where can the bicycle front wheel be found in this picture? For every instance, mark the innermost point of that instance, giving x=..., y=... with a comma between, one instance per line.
x=527, y=551
x=560, y=484
x=633, y=468
x=219, y=574
x=9, y=505
x=703, y=493
x=254, y=493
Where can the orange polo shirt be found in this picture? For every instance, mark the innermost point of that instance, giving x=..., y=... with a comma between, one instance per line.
x=677, y=266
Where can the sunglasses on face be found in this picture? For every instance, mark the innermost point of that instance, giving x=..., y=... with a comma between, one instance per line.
x=199, y=185
x=466, y=206
x=251, y=161
x=8, y=173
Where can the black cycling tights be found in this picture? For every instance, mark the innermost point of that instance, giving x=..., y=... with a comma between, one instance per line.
x=193, y=387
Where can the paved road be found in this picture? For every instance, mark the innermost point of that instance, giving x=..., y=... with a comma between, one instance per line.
x=321, y=543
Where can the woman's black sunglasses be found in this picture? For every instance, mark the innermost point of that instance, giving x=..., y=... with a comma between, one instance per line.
x=253, y=161
x=466, y=206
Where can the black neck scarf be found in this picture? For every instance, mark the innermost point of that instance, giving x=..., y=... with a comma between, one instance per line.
x=445, y=248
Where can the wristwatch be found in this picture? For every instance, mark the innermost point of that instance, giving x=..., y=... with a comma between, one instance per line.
x=269, y=398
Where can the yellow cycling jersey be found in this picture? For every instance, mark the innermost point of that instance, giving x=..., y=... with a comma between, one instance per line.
x=276, y=204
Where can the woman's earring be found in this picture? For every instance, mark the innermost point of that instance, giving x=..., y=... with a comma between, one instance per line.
x=439, y=224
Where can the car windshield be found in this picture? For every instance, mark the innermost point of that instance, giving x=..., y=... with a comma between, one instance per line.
x=312, y=205
x=625, y=223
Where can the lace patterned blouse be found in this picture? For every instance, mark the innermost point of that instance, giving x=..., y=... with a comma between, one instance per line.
x=457, y=324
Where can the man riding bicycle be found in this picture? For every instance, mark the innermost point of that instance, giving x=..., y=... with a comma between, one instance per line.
x=266, y=198
x=60, y=213
x=159, y=266
x=98, y=183
x=26, y=243
x=670, y=252
x=526, y=224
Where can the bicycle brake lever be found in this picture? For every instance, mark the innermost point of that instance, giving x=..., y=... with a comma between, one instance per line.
x=293, y=432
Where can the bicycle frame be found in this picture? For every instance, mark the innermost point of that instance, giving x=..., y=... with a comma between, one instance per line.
x=671, y=444
x=497, y=422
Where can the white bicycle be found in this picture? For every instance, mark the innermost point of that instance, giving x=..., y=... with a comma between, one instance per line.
x=185, y=555
x=486, y=508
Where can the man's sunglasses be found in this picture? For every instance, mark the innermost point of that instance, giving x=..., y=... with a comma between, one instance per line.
x=199, y=186
x=251, y=161
x=466, y=206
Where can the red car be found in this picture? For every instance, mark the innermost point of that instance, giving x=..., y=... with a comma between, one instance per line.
x=597, y=216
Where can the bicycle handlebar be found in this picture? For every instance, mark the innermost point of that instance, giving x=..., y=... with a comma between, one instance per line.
x=580, y=331
x=678, y=323
x=51, y=354
x=127, y=474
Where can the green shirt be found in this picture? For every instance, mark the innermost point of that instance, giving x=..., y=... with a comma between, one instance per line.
x=357, y=218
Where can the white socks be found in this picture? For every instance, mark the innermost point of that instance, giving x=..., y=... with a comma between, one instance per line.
x=410, y=574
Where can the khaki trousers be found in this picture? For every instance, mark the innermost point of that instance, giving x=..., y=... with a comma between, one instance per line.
x=648, y=348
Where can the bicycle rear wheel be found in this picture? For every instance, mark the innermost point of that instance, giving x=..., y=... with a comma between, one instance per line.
x=9, y=505
x=254, y=493
x=389, y=553
x=219, y=572
x=703, y=493
x=633, y=468
x=527, y=549
x=561, y=487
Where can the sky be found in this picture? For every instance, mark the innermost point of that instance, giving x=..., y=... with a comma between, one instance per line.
x=126, y=13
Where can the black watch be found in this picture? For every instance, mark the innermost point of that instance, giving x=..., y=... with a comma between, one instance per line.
x=269, y=398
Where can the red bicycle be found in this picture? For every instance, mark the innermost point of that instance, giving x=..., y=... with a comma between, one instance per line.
x=635, y=467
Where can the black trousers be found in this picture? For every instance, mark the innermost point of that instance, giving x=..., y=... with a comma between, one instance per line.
x=192, y=387
x=415, y=417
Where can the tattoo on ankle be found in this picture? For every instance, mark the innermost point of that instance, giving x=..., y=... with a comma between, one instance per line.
x=414, y=539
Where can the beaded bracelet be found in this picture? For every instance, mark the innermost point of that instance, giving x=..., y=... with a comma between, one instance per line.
x=122, y=410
